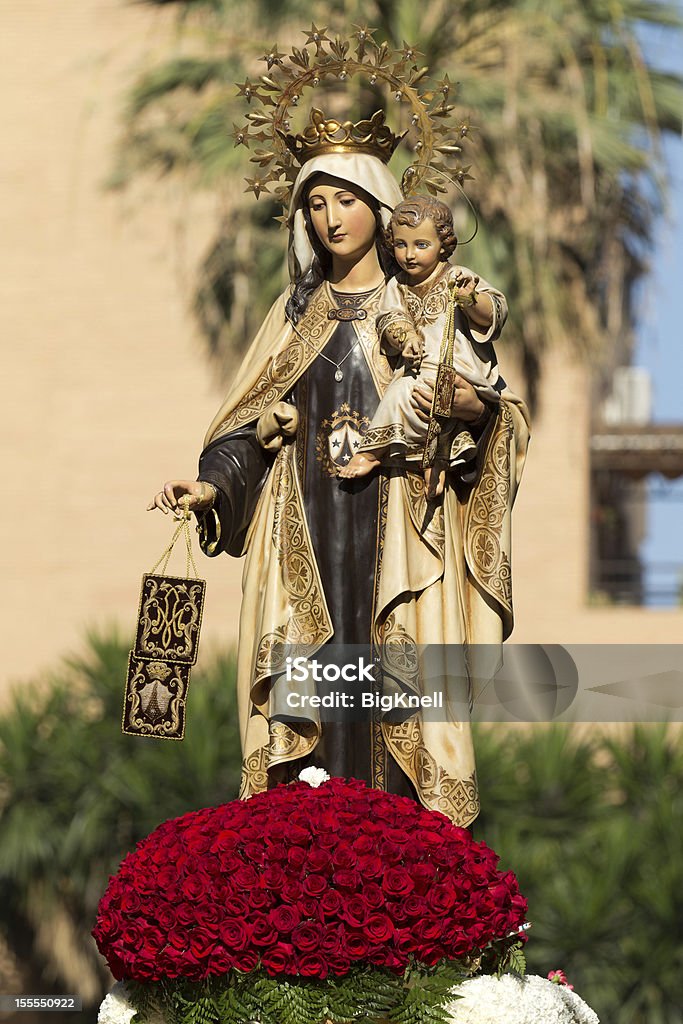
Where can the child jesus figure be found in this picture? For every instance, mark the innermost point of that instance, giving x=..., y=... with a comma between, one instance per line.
x=411, y=322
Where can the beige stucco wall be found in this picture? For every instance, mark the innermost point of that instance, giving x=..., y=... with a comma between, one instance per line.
x=106, y=390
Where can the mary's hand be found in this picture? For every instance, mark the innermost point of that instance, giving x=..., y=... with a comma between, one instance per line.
x=467, y=405
x=200, y=493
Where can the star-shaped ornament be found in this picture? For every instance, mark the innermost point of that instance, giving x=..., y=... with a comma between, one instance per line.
x=272, y=57
x=409, y=52
x=255, y=185
x=246, y=90
x=317, y=36
x=240, y=135
x=444, y=85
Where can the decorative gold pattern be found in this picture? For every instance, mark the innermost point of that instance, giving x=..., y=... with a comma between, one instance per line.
x=377, y=438
x=339, y=438
x=154, y=700
x=427, y=517
x=283, y=368
x=458, y=799
x=169, y=618
x=399, y=653
x=486, y=512
x=254, y=773
x=425, y=307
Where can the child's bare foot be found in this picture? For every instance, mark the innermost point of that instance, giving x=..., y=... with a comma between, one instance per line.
x=435, y=480
x=360, y=465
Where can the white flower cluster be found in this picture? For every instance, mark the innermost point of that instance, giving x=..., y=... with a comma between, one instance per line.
x=515, y=1000
x=314, y=776
x=116, y=1009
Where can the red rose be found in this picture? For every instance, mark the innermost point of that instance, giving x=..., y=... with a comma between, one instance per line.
x=331, y=940
x=363, y=844
x=152, y=940
x=373, y=895
x=279, y=960
x=370, y=866
x=415, y=906
x=330, y=903
x=344, y=856
x=221, y=961
x=195, y=886
x=312, y=965
x=306, y=936
x=296, y=858
x=315, y=885
x=391, y=853
x=234, y=935
x=291, y=891
x=346, y=879
x=262, y=931
x=245, y=877
x=185, y=915
x=308, y=905
x=440, y=899
x=397, y=882
x=179, y=938
x=247, y=960
x=285, y=918
x=406, y=942
x=379, y=928
x=235, y=906
x=317, y=860
x=130, y=902
x=297, y=836
x=356, y=945
x=259, y=898
x=202, y=943
x=355, y=911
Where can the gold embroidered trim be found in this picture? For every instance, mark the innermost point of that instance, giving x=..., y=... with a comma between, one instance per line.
x=427, y=518
x=458, y=799
x=381, y=437
x=285, y=366
x=254, y=773
x=486, y=513
x=309, y=621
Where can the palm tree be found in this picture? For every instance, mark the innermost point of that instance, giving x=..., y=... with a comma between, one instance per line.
x=76, y=795
x=566, y=165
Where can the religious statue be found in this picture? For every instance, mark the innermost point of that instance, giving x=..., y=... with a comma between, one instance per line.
x=368, y=560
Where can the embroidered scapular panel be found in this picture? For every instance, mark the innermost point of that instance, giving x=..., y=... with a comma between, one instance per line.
x=154, y=700
x=169, y=618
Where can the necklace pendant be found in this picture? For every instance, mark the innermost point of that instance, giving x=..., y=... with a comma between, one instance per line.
x=338, y=375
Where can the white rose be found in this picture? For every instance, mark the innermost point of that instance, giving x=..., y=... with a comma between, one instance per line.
x=314, y=776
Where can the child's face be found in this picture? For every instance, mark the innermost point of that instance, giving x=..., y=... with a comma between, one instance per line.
x=417, y=249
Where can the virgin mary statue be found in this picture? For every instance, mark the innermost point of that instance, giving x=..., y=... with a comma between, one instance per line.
x=364, y=562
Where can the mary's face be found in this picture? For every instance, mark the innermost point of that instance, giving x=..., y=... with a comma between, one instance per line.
x=341, y=219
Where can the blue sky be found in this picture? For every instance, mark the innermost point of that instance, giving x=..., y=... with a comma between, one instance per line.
x=660, y=338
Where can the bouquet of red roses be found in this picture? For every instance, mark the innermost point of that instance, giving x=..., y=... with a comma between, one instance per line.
x=327, y=902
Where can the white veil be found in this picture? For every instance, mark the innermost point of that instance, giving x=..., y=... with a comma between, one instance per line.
x=368, y=172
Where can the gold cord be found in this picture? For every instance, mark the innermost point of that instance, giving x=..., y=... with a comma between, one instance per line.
x=184, y=528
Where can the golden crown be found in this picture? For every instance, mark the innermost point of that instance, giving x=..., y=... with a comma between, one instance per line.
x=328, y=135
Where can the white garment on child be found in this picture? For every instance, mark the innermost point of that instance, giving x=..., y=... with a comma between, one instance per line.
x=395, y=428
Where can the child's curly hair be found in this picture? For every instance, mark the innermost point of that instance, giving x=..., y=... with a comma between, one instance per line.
x=413, y=211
